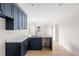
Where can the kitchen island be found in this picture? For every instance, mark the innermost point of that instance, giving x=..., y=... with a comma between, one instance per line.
x=38, y=43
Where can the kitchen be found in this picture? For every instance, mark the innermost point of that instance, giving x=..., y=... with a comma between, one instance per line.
x=16, y=38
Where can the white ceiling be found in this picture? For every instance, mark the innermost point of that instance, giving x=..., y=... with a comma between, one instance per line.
x=47, y=13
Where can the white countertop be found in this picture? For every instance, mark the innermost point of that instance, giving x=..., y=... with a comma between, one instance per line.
x=22, y=38
x=19, y=39
x=41, y=36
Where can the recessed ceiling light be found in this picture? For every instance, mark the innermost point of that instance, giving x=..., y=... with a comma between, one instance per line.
x=32, y=5
x=60, y=4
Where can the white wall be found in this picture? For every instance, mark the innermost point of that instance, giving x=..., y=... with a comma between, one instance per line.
x=2, y=23
x=69, y=31
x=44, y=29
x=56, y=32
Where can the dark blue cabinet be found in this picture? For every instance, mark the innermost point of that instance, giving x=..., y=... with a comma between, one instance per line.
x=13, y=11
x=0, y=6
x=13, y=49
x=20, y=19
x=12, y=7
x=9, y=23
x=15, y=17
x=8, y=9
x=16, y=48
x=35, y=43
x=1, y=11
x=24, y=47
x=50, y=43
x=25, y=21
x=3, y=8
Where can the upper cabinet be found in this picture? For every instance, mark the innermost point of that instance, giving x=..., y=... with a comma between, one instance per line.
x=25, y=21
x=16, y=13
x=0, y=9
x=8, y=9
x=20, y=19
x=15, y=16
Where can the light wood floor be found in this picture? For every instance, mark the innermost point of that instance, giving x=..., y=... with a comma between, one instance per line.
x=57, y=51
x=60, y=51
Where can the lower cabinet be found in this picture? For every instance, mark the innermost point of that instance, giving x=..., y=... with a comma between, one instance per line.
x=21, y=48
x=24, y=47
x=13, y=49
x=35, y=43
x=50, y=43
x=16, y=48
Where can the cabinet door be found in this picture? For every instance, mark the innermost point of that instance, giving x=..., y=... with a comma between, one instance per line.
x=15, y=16
x=13, y=49
x=24, y=47
x=20, y=20
x=3, y=7
x=0, y=5
x=9, y=23
x=0, y=8
x=12, y=7
x=35, y=44
x=8, y=9
x=50, y=43
x=25, y=22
